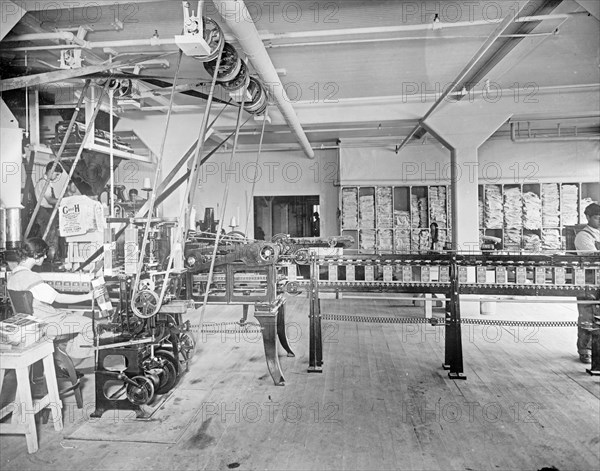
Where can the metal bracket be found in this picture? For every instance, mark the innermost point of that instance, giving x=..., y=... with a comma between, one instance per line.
x=192, y=42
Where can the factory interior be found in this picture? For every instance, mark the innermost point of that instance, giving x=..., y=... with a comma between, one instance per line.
x=300, y=235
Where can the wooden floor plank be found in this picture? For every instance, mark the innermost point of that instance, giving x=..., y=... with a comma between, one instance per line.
x=382, y=402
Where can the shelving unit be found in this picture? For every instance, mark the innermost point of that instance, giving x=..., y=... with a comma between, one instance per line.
x=395, y=219
x=533, y=216
x=520, y=216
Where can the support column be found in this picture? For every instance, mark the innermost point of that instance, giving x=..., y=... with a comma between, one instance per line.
x=462, y=127
x=464, y=197
x=11, y=137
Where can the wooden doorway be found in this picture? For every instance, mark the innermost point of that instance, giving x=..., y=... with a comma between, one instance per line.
x=291, y=215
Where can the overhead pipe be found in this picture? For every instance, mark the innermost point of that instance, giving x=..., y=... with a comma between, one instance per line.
x=155, y=41
x=235, y=15
x=64, y=35
x=408, y=38
x=546, y=138
x=433, y=26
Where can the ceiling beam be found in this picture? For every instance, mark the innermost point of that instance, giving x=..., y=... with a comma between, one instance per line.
x=11, y=15
x=500, y=29
x=592, y=7
x=58, y=75
x=534, y=8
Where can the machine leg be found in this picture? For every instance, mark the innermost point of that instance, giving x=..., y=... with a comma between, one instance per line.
x=448, y=357
x=283, y=340
x=268, y=322
x=453, y=347
x=315, y=361
x=244, y=318
x=594, y=370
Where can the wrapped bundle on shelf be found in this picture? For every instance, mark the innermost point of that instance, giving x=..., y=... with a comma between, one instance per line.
x=367, y=211
x=532, y=242
x=512, y=238
x=367, y=240
x=350, y=208
x=385, y=240
x=402, y=240
x=480, y=202
x=401, y=218
x=383, y=200
x=513, y=209
x=550, y=205
x=532, y=211
x=420, y=240
x=568, y=204
x=437, y=205
x=493, y=207
x=414, y=211
x=423, y=211
x=551, y=239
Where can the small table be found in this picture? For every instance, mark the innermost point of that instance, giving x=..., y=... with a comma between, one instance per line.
x=24, y=408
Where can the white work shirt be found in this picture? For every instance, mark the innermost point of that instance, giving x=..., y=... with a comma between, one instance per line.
x=587, y=240
x=50, y=192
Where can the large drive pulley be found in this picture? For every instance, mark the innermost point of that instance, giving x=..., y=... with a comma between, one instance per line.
x=165, y=367
x=140, y=390
x=258, y=98
x=241, y=80
x=145, y=304
x=268, y=253
x=187, y=348
x=229, y=67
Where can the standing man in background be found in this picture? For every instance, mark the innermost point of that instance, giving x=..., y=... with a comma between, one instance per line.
x=47, y=202
x=587, y=242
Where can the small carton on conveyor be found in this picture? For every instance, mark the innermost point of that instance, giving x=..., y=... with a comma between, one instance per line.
x=69, y=282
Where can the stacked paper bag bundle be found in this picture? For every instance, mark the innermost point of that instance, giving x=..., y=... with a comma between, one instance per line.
x=367, y=211
x=383, y=197
x=350, y=208
x=402, y=240
x=532, y=242
x=401, y=218
x=513, y=208
x=493, y=207
x=568, y=204
x=437, y=205
x=367, y=239
x=551, y=239
x=385, y=240
x=550, y=205
x=414, y=211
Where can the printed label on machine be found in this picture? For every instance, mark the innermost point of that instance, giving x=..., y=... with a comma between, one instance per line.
x=350, y=273
x=333, y=273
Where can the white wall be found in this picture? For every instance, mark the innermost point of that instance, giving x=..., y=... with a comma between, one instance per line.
x=279, y=174
x=499, y=161
x=182, y=132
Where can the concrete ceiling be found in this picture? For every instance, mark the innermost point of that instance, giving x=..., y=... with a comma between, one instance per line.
x=353, y=70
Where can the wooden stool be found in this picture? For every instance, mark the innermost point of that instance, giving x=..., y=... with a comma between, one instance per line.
x=24, y=408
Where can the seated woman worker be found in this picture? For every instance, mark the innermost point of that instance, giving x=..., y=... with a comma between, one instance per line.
x=59, y=322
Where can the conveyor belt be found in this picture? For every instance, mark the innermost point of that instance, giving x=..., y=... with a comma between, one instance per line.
x=452, y=275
